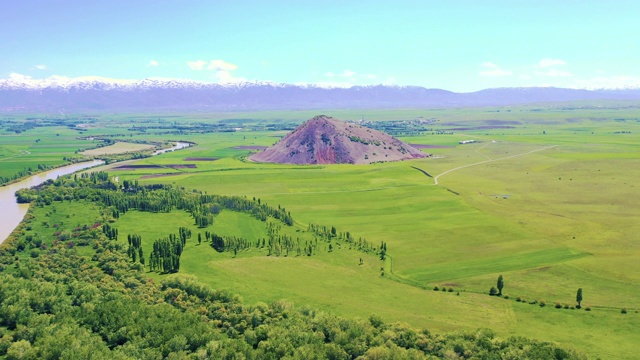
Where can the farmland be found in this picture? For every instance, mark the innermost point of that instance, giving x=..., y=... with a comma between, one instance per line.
x=546, y=197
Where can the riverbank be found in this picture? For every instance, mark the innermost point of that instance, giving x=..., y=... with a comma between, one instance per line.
x=13, y=213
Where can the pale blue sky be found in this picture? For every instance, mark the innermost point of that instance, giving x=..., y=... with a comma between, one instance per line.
x=454, y=45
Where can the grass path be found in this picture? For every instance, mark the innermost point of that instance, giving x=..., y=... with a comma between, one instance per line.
x=435, y=179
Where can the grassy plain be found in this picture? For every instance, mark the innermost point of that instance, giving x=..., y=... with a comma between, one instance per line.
x=42, y=145
x=547, y=198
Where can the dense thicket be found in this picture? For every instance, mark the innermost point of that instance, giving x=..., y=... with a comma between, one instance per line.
x=60, y=304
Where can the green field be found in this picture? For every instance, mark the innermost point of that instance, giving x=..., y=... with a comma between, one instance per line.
x=549, y=202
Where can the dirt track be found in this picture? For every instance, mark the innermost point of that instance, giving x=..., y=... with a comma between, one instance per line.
x=435, y=179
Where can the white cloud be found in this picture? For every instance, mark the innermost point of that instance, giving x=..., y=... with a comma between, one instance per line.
x=348, y=73
x=221, y=69
x=41, y=67
x=547, y=62
x=153, y=63
x=220, y=65
x=329, y=74
x=197, y=65
x=491, y=69
x=19, y=77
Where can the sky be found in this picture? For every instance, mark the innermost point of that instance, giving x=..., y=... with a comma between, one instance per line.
x=456, y=45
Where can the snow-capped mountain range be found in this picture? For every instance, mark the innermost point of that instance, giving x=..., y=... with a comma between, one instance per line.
x=24, y=94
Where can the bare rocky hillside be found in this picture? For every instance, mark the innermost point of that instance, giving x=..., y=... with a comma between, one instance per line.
x=325, y=140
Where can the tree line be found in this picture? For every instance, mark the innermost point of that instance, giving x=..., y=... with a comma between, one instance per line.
x=97, y=187
x=329, y=234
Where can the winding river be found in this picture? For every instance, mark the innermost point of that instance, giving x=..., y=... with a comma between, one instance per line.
x=12, y=213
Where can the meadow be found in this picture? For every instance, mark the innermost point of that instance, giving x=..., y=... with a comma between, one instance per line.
x=546, y=198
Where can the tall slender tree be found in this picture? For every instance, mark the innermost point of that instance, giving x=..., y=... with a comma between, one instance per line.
x=579, y=298
x=500, y=285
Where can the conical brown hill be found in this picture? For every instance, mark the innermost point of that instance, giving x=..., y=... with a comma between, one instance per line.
x=325, y=140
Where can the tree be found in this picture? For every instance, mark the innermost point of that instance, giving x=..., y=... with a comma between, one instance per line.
x=500, y=285
x=579, y=297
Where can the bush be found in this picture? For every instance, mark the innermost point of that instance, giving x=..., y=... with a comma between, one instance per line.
x=533, y=302
x=623, y=310
x=493, y=291
x=436, y=288
x=450, y=289
x=587, y=308
x=558, y=305
x=506, y=296
x=543, y=303
x=34, y=253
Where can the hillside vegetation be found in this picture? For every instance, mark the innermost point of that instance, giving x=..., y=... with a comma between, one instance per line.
x=71, y=290
x=545, y=197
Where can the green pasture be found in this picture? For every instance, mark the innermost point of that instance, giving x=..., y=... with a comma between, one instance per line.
x=551, y=203
x=42, y=145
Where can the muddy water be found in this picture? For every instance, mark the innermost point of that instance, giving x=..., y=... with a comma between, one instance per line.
x=11, y=213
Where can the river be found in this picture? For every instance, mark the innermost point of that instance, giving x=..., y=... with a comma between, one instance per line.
x=12, y=213
x=179, y=145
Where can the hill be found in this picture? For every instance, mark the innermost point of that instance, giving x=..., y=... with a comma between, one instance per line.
x=325, y=140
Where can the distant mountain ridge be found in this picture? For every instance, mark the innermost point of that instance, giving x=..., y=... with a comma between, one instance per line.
x=98, y=94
